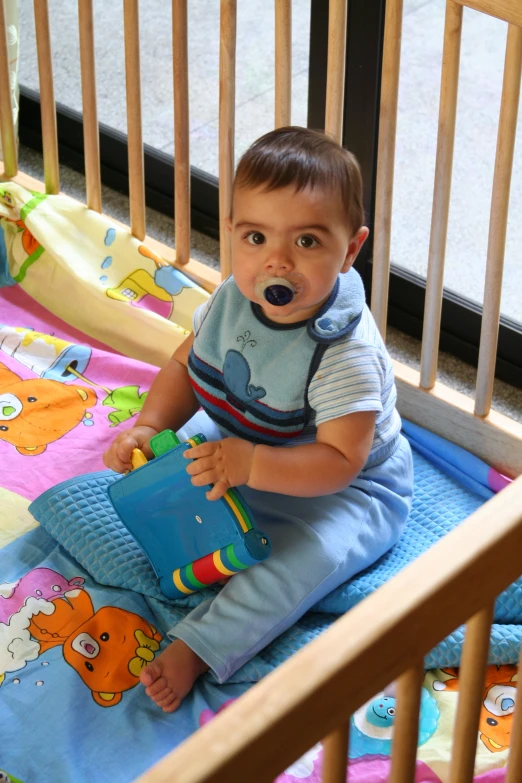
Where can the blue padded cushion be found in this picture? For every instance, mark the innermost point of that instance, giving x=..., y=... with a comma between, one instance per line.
x=79, y=515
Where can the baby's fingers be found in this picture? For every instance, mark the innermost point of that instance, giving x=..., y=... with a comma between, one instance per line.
x=112, y=461
x=125, y=448
x=201, y=465
x=203, y=450
x=208, y=477
x=217, y=491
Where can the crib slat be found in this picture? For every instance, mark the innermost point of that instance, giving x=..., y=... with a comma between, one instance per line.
x=406, y=727
x=337, y=20
x=385, y=161
x=335, y=755
x=9, y=150
x=227, y=95
x=514, y=767
x=134, y=127
x=47, y=105
x=498, y=220
x=181, y=131
x=90, y=115
x=283, y=62
x=471, y=676
x=441, y=194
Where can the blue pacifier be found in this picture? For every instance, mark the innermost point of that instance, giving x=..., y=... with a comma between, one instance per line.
x=277, y=291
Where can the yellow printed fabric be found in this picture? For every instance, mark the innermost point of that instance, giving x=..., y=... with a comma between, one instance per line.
x=94, y=275
x=15, y=519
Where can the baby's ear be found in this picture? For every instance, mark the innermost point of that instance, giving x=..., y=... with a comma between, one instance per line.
x=229, y=224
x=356, y=242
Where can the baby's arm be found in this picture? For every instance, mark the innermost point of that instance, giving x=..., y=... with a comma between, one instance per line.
x=321, y=468
x=170, y=404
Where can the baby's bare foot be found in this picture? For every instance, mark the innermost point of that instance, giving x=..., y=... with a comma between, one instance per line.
x=170, y=677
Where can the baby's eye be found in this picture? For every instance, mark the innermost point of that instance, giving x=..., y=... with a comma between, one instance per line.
x=306, y=241
x=255, y=238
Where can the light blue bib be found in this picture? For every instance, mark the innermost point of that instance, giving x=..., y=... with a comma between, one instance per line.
x=251, y=375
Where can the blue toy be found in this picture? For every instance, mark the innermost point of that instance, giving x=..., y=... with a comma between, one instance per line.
x=372, y=726
x=191, y=542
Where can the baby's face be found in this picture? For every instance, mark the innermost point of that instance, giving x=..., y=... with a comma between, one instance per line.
x=301, y=236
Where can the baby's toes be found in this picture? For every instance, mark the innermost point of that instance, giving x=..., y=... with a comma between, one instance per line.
x=151, y=674
x=169, y=704
x=159, y=689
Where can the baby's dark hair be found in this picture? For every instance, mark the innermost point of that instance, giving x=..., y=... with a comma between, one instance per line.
x=303, y=157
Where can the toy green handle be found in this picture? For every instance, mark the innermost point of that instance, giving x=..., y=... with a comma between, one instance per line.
x=164, y=441
x=161, y=443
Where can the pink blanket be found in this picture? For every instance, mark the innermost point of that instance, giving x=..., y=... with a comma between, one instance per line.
x=63, y=396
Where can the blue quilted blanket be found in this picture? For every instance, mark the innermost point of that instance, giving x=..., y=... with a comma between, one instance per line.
x=449, y=485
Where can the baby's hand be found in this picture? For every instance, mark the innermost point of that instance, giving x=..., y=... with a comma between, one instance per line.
x=118, y=455
x=225, y=463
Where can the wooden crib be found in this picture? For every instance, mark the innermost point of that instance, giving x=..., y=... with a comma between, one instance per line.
x=384, y=638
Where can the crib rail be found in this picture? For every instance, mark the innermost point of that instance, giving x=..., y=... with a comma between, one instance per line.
x=383, y=638
x=90, y=112
x=7, y=130
x=406, y=729
x=134, y=124
x=181, y=131
x=227, y=97
x=441, y=194
x=386, y=159
x=333, y=122
x=283, y=63
x=48, y=108
x=498, y=220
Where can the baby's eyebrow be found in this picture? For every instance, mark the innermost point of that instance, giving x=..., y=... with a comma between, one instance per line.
x=314, y=227
x=263, y=227
x=243, y=223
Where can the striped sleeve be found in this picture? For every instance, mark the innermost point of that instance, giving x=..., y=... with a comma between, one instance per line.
x=350, y=378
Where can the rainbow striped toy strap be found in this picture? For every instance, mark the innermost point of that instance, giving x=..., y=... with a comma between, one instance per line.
x=221, y=563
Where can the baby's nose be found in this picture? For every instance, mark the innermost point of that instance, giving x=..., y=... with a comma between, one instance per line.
x=278, y=263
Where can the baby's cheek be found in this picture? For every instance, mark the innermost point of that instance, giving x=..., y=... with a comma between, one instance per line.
x=245, y=283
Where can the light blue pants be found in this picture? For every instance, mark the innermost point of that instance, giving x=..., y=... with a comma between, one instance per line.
x=317, y=544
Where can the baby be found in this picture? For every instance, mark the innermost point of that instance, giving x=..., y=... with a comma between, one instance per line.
x=298, y=401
